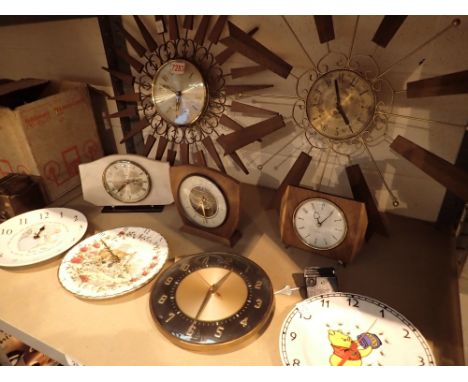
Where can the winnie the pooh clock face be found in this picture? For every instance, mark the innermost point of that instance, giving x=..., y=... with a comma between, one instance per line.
x=343, y=329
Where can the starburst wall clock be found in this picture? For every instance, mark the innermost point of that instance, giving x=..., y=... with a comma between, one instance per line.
x=344, y=101
x=181, y=89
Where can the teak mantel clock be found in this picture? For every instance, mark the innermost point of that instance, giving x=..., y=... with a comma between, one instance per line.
x=323, y=224
x=208, y=203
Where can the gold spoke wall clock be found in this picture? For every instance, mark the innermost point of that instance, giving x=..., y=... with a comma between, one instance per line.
x=181, y=89
x=344, y=100
x=344, y=329
x=39, y=235
x=212, y=301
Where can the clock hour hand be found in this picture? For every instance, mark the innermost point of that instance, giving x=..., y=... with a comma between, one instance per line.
x=38, y=233
x=212, y=290
x=115, y=258
x=337, y=91
x=170, y=89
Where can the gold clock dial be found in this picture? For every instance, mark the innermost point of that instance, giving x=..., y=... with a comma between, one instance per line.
x=320, y=224
x=341, y=104
x=212, y=300
x=202, y=201
x=179, y=92
x=126, y=181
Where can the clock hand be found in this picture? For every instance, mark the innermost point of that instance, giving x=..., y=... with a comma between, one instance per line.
x=337, y=91
x=331, y=213
x=170, y=89
x=212, y=290
x=202, y=204
x=115, y=258
x=38, y=233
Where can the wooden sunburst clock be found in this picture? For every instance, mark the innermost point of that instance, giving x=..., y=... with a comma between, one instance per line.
x=181, y=90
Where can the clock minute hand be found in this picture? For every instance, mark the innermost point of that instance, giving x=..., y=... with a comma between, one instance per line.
x=337, y=91
x=331, y=213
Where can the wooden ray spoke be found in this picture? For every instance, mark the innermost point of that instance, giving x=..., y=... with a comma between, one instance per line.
x=135, y=128
x=246, y=71
x=133, y=62
x=448, y=84
x=325, y=29
x=237, y=89
x=202, y=29
x=239, y=139
x=127, y=97
x=149, y=40
x=227, y=53
x=244, y=44
x=362, y=193
x=130, y=111
x=215, y=33
x=237, y=160
x=150, y=141
x=184, y=153
x=124, y=77
x=188, y=22
x=210, y=147
x=454, y=178
x=388, y=29
x=251, y=111
x=173, y=27
x=162, y=144
x=140, y=49
x=171, y=156
x=199, y=158
x=230, y=123
x=293, y=178
x=160, y=25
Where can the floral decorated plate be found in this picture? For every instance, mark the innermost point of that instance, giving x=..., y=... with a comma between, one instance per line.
x=113, y=262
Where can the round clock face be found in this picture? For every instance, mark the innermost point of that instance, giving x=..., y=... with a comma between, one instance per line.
x=320, y=224
x=212, y=301
x=340, y=104
x=179, y=92
x=39, y=235
x=202, y=201
x=342, y=329
x=113, y=262
x=126, y=181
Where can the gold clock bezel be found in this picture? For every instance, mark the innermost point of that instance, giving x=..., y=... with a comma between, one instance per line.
x=205, y=88
x=366, y=125
x=109, y=191
x=344, y=234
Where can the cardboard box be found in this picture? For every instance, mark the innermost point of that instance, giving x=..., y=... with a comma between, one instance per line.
x=47, y=129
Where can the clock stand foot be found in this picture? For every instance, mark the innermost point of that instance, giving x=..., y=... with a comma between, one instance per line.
x=112, y=209
x=228, y=241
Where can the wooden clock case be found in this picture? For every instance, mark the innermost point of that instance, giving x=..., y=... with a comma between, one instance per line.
x=226, y=233
x=356, y=218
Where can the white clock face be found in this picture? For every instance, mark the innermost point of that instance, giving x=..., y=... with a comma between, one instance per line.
x=126, y=181
x=39, y=235
x=320, y=224
x=179, y=92
x=343, y=329
x=341, y=104
x=202, y=201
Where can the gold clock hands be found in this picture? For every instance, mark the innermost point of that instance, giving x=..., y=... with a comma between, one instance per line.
x=212, y=290
x=115, y=258
x=38, y=233
x=202, y=205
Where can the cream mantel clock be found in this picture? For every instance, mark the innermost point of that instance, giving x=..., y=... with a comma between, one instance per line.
x=126, y=182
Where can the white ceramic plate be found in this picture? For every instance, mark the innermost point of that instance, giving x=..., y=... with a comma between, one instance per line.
x=39, y=235
x=113, y=262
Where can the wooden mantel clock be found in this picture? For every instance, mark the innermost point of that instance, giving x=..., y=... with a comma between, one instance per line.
x=323, y=224
x=208, y=203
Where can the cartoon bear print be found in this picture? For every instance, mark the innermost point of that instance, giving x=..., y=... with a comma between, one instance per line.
x=347, y=352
